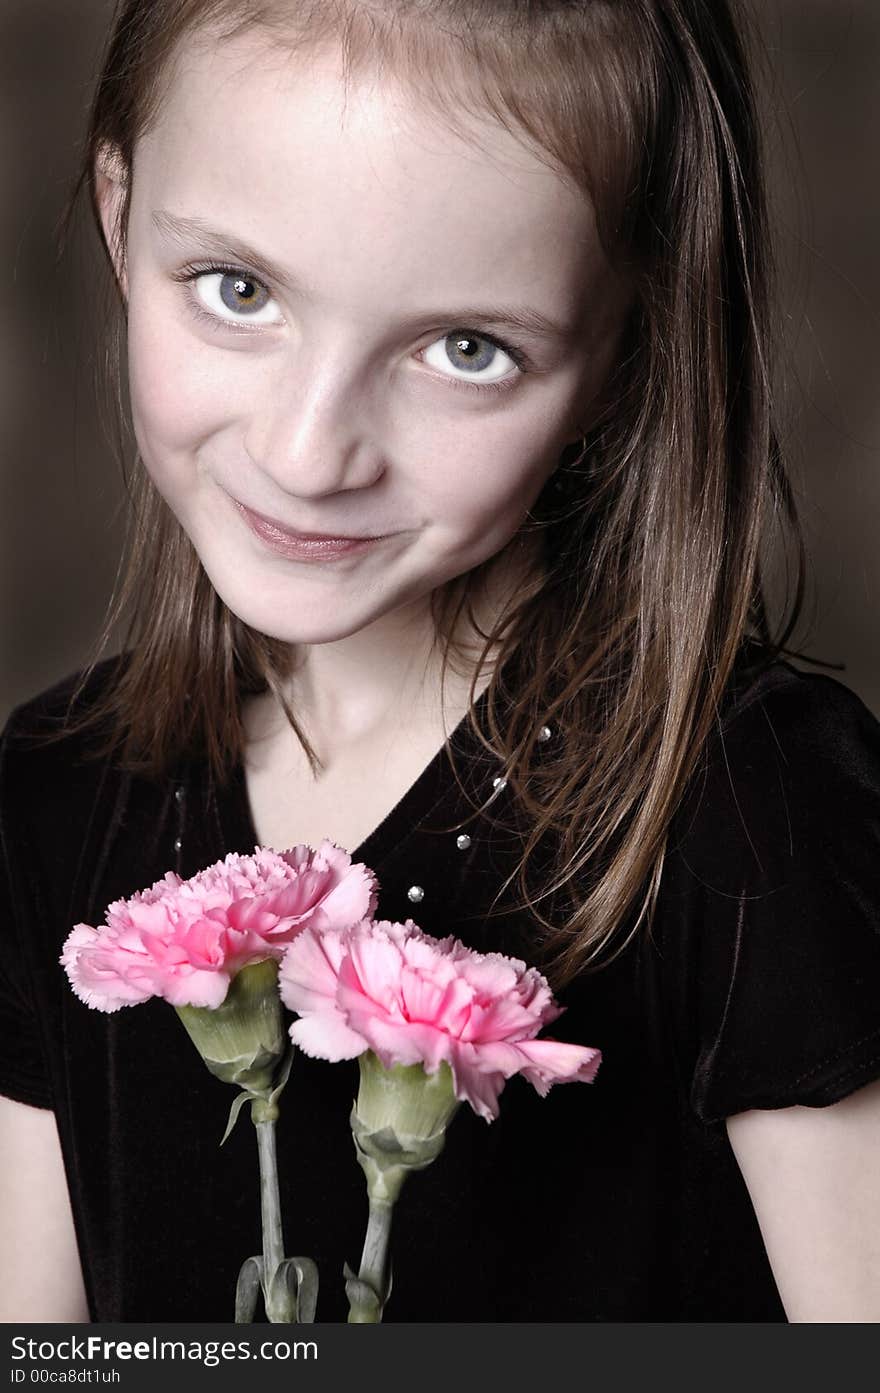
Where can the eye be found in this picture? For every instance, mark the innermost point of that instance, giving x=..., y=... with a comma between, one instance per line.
x=474, y=358
x=234, y=295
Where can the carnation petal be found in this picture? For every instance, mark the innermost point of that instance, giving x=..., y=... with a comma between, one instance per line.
x=369, y=974
x=181, y=940
x=197, y=988
x=351, y=900
x=325, y=1035
x=503, y=1018
x=446, y=1004
x=107, y=995
x=100, y=985
x=475, y=1085
x=556, y=1061
x=308, y=974
x=414, y=999
x=402, y=1042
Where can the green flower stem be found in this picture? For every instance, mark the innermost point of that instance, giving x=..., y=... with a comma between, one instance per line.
x=270, y=1208
x=242, y=1041
x=289, y=1285
x=368, y=1295
x=398, y=1126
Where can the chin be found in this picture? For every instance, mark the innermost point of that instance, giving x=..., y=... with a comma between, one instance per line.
x=302, y=630
x=306, y=613
x=290, y=622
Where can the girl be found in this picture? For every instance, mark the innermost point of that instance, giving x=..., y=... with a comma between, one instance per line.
x=448, y=358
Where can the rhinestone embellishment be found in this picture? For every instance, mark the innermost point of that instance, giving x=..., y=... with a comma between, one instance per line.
x=415, y=893
x=545, y=733
x=463, y=841
x=177, y=844
x=178, y=794
x=499, y=782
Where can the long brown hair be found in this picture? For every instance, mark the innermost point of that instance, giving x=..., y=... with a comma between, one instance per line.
x=650, y=568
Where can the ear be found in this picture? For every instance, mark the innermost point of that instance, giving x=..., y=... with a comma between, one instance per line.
x=111, y=187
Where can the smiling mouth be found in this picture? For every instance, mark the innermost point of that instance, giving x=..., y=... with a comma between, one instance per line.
x=302, y=546
x=281, y=530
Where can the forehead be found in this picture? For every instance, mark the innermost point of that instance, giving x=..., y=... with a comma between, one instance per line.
x=279, y=148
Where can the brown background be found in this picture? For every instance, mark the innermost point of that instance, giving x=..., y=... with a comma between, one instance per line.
x=60, y=493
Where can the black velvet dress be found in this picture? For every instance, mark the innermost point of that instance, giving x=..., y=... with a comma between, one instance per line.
x=758, y=987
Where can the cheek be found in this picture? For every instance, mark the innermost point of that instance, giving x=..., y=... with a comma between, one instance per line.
x=489, y=487
x=175, y=402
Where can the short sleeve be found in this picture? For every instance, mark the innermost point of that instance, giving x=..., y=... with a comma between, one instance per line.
x=770, y=933
x=23, y=1074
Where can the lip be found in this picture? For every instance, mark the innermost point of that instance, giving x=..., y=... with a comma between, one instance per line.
x=301, y=546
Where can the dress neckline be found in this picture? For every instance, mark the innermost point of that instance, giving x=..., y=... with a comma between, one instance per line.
x=401, y=821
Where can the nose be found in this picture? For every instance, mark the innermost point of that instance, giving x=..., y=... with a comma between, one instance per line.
x=312, y=432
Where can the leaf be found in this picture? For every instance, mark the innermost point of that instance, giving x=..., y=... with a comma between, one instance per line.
x=300, y=1276
x=247, y=1289
x=282, y=1080
x=244, y=1097
x=252, y=1095
x=365, y=1303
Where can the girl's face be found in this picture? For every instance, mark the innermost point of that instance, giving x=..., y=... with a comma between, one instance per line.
x=349, y=323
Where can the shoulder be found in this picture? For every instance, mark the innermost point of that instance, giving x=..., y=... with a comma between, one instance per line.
x=71, y=697
x=77, y=827
x=60, y=727
x=48, y=759
x=792, y=767
x=811, y=711
x=768, y=923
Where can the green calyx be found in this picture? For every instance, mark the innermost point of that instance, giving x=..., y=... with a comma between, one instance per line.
x=399, y=1122
x=404, y=1099
x=242, y=1039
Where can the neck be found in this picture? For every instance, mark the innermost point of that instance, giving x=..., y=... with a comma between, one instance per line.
x=388, y=674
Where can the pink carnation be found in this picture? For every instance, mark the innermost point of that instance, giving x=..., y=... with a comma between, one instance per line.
x=185, y=940
x=414, y=999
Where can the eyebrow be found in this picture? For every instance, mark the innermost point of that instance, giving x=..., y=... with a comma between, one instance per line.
x=220, y=244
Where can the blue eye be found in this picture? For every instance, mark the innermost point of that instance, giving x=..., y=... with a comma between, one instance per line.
x=475, y=358
x=235, y=295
